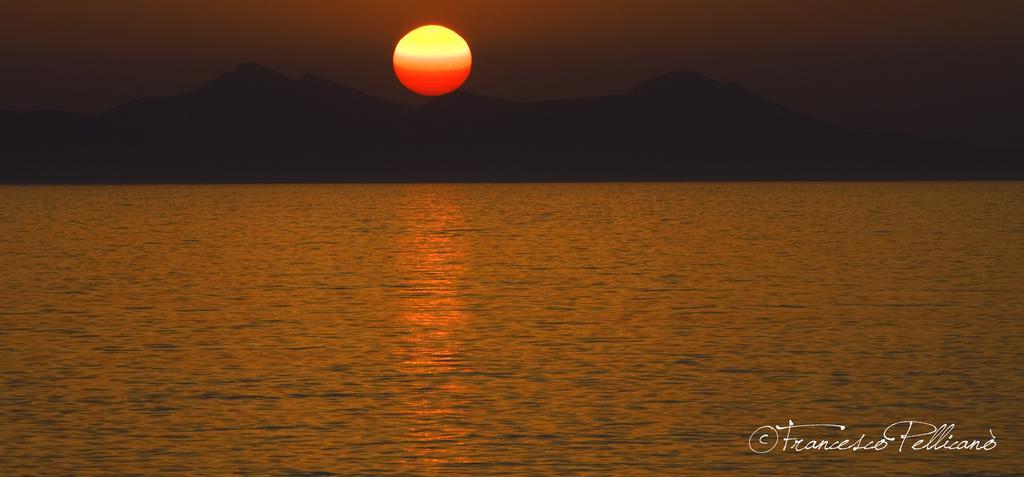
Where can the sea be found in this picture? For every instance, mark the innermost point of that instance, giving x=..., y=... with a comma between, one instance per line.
x=512, y=329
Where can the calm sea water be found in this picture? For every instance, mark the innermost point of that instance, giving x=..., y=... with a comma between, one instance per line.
x=505, y=329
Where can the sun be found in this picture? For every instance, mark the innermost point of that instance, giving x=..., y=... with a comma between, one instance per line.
x=432, y=60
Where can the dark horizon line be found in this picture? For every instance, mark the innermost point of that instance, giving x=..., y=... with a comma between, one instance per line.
x=256, y=125
x=509, y=182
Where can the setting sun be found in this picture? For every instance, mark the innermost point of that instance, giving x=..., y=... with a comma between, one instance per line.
x=432, y=60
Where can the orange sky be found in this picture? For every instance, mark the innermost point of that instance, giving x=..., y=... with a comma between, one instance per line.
x=875, y=63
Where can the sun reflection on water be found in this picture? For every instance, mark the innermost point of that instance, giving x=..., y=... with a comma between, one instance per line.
x=433, y=315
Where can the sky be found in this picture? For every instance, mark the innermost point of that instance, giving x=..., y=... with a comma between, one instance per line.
x=940, y=67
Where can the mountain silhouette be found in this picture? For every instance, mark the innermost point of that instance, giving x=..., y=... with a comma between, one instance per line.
x=254, y=124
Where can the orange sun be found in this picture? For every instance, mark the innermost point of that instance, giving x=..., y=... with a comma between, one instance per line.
x=432, y=60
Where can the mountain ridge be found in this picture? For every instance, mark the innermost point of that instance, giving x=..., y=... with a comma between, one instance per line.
x=254, y=124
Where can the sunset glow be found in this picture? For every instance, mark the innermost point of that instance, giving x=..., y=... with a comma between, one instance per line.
x=432, y=60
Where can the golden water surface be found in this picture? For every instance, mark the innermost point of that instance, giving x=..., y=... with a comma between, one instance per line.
x=599, y=329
